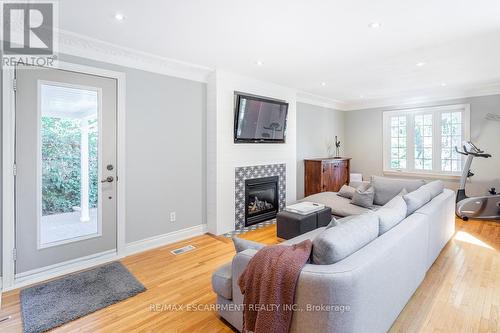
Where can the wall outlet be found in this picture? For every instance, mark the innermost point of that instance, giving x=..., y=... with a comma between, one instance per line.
x=172, y=217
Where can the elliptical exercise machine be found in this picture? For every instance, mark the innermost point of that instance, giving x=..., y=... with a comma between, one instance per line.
x=483, y=207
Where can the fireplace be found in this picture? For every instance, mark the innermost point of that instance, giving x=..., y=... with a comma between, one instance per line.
x=261, y=199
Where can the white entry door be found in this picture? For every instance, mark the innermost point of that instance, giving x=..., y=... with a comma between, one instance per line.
x=65, y=167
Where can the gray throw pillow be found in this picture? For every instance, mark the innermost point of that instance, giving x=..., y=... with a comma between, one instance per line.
x=387, y=188
x=241, y=244
x=335, y=222
x=346, y=191
x=363, y=196
x=391, y=214
x=416, y=199
x=335, y=244
x=332, y=223
x=435, y=188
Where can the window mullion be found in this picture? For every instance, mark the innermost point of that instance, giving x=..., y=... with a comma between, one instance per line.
x=410, y=142
x=436, y=141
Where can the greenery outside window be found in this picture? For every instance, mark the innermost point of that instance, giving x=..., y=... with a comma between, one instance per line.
x=422, y=141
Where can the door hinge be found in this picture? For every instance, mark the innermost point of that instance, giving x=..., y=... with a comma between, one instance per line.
x=14, y=254
x=14, y=84
x=14, y=169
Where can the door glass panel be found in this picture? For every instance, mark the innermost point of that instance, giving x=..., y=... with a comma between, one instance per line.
x=69, y=164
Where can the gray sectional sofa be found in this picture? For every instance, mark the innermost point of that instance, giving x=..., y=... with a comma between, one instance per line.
x=366, y=277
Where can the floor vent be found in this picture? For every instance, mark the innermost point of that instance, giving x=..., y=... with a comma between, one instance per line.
x=183, y=250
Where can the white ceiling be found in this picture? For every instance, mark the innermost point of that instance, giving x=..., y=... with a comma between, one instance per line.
x=304, y=43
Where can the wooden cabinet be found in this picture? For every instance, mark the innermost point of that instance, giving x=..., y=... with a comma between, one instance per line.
x=325, y=174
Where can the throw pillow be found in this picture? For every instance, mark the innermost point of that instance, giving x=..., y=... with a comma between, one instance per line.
x=346, y=191
x=363, y=196
x=335, y=222
x=416, y=199
x=436, y=187
x=335, y=244
x=332, y=223
x=391, y=214
x=241, y=245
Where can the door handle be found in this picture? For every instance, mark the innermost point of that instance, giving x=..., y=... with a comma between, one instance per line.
x=108, y=179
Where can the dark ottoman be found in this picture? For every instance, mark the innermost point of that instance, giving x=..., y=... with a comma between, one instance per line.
x=290, y=225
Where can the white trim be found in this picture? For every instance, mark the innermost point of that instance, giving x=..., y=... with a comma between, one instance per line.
x=90, y=48
x=426, y=97
x=121, y=182
x=312, y=99
x=165, y=239
x=8, y=130
x=67, y=267
x=39, y=164
x=422, y=174
x=436, y=111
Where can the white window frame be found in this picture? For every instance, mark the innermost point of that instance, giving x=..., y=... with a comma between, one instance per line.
x=98, y=233
x=436, y=140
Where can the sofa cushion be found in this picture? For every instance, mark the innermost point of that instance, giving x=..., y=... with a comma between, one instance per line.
x=387, y=188
x=339, y=242
x=340, y=206
x=416, y=199
x=241, y=244
x=222, y=281
x=363, y=196
x=435, y=188
x=391, y=214
x=346, y=191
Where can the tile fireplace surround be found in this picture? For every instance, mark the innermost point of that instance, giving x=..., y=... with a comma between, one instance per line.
x=256, y=171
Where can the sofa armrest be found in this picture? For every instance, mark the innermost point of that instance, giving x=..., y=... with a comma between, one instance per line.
x=240, y=262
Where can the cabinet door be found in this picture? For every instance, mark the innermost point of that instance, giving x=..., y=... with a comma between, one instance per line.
x=335, y=174
x=329, y=176
x=312, y=178
x=342, y=174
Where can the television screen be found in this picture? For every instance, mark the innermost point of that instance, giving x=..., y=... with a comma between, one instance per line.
x=258, y=119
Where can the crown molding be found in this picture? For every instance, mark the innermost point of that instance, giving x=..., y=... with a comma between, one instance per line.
x=308, y=98
x=424, y=97
x=82, y=46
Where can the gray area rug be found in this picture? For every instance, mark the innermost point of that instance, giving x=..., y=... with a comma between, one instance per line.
x=57, y=302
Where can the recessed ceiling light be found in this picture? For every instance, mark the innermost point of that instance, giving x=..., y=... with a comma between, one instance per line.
x=323, y=84
x=119, y=16
x=443, y=84
x=259, y=63
x=374, y=25
x=420, y=64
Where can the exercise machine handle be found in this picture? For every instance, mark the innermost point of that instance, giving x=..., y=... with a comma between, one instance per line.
x=479, y=153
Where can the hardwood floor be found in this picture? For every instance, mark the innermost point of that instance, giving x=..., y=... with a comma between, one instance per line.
x=461, y=292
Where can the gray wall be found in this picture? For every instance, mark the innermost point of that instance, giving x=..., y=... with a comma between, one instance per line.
x=165, y=151
x=316, y=127
x=364, y=144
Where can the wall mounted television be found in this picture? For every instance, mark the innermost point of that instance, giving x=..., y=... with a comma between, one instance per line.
x=259, y=119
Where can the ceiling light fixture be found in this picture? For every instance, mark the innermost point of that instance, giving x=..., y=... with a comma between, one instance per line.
x=259, y=63
x=323, y=84
x=119, y=17
x=374, y=25
x=443, y=84
x=420, y=64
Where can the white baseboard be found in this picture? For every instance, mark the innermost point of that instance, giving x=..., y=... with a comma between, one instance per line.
x=67, y=267
x=165, y=239
x=71, y=266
